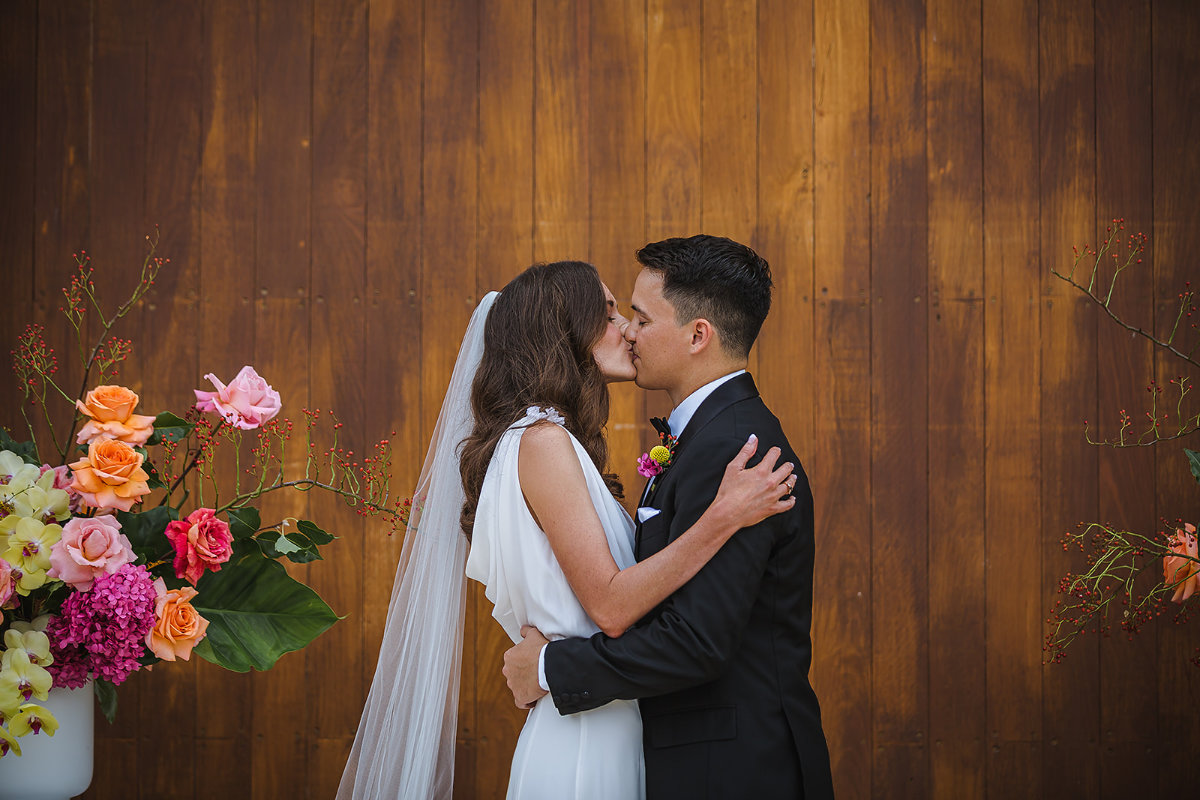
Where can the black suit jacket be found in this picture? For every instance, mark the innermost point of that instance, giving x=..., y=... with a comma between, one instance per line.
x=721, y=668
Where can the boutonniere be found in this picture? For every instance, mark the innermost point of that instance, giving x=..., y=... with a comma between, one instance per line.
x=659, y=459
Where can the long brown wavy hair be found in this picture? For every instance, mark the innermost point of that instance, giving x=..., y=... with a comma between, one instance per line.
x=537, y=351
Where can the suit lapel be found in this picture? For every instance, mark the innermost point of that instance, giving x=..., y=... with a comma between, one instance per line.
x=732, y=391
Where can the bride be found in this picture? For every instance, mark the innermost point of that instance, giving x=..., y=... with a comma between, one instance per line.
x=515, y=472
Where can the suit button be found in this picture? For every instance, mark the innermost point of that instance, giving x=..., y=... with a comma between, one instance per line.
x=575, y=699
x=586, y=695
x=557, y=699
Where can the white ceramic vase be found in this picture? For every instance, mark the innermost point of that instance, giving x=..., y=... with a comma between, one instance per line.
x=54, y=767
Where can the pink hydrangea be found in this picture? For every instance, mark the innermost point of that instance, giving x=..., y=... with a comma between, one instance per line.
x=102, y=633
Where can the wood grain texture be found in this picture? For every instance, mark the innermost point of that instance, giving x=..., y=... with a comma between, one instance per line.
x=337, y=182
x=1070, y=716
x=840, y=470
x=957, y=629
x=899, y=401
x=1012, y=285
x=1124, y=189
x=1175, y=120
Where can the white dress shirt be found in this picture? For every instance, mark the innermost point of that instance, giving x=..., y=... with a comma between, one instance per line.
x=679, y=419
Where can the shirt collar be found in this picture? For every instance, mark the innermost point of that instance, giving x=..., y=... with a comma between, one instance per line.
x=683, y=412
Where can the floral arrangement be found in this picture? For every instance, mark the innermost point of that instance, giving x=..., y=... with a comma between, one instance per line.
x=1146, y=575
x=112, y=561
x=660, y=456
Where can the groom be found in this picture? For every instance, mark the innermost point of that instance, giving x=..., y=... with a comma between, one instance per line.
x=721, y=667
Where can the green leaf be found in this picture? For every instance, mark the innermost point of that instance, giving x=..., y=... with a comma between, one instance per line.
x=294, y=546
x=1194, y=459
x=145, y=529
x=243, y=522
x=168, y=428
x=314, y=532
x=256, y=612
x=106, y=694
x=25, y=450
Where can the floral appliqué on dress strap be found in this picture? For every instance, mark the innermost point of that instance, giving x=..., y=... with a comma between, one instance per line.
x=550, y=413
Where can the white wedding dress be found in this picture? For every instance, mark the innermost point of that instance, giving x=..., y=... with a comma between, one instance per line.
x=595, y=754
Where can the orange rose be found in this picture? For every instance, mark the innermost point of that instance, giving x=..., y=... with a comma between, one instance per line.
x=1180, y=571
x=177, y=626
x=110, y=416
x=111, y=476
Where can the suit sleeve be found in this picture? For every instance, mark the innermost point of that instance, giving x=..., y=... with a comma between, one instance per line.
x=693, y=635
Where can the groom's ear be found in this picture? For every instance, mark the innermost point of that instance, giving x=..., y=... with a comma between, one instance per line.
x=704, y=335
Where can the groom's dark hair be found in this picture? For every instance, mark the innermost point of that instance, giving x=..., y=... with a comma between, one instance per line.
x=716, y=279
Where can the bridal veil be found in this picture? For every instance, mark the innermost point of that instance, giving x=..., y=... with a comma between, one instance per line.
x=404, y=746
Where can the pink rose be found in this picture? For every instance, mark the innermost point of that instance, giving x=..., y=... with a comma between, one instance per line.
x=89, y=546
x=202, y=541
x=647, y=467
x=1179, y=571
x=6, y=583
x=247, y=402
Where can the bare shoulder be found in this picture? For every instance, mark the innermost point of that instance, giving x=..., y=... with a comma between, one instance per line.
x=545, y=445
x=545, y=437
x=549, y=469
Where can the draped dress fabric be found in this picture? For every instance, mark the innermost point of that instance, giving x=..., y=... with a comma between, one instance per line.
x=595, y=754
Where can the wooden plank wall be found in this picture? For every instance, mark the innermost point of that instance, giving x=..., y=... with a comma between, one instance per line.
x=336, y=182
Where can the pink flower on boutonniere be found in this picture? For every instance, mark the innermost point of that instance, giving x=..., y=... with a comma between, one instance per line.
x=647, y=467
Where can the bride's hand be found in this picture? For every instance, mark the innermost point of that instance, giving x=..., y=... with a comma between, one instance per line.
x=748, y=496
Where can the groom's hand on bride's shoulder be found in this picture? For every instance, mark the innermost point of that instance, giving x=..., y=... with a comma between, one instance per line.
x=521, y=667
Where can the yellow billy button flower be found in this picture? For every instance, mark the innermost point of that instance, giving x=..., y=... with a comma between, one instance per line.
x=20, y=676
x=8, y=743
x=660, y=454
x=33, y=718
x=35, y=644
x=29, y=543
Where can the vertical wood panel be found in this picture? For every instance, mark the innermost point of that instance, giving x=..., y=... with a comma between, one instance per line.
x=505, y=248
x=561, y=172
x=784, y=230
x=228, y=203
x=1012, y=279
x=840, y=472
x=283, y=271
x=18, y=93
x=899, y=400
x=62, y=202
x=673, y=150
x=1124, y=173
x=449, y=256
x=393, y=280
x=956, y=401
x=1067, y=166
x=617, y=156
x=1176, y=29
x=729, y=118
x=338, y=369
x=170, y=352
